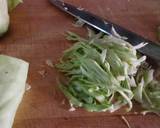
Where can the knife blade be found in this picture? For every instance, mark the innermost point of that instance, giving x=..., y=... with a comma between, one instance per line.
x=152, y=49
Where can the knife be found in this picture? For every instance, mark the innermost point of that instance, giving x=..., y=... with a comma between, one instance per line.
x=152, y=49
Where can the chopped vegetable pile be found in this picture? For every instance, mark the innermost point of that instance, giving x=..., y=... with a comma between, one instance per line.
x=105, y=73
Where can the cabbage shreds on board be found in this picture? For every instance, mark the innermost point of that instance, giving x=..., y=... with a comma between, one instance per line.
x=100, y=72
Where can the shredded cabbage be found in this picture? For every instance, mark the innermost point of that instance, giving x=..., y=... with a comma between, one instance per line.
x=102, y=74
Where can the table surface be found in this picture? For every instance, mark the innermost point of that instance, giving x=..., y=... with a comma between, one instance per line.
x=37, y=33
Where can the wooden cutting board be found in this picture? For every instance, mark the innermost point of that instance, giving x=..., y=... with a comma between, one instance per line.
x=37, y=33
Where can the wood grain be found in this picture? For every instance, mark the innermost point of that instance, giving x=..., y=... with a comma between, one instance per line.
x=37, y=33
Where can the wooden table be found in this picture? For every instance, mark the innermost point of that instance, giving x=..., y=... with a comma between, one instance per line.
x=37, y=34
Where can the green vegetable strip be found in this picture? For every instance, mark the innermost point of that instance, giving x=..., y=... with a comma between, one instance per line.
x=13, y=3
